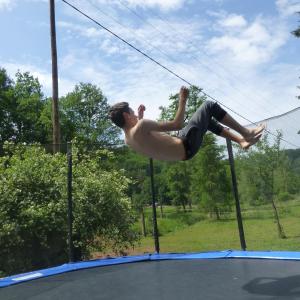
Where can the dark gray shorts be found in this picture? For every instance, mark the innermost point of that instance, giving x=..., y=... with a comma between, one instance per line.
x=202, y=120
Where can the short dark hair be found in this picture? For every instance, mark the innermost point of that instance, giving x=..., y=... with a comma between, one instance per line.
x=116, y=113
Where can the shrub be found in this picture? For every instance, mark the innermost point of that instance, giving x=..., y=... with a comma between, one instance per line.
x=284, y=196
x=33, y=209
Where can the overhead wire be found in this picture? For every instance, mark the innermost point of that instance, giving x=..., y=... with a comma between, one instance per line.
x=167, y=37
x=164, y=67
x=194, y=56
x=134, y=32
x=203, y=51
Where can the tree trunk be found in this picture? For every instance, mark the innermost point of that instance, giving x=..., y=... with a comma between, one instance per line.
x=217, y=213
x=161, y=211
x=279, y=227
x=183, y=205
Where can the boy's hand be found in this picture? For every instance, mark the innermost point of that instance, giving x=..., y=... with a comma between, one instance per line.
x=141, y=110
x=183, y=95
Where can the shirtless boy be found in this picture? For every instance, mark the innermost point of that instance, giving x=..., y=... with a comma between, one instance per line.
x=149, y=137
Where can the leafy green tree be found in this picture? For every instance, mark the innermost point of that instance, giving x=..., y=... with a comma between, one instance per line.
x=177, y=175
x=33, y=212
x=268, y=162
x=194, y=101
x=178, y=182
x=22, y=103
x=210, y=186
x=190, y=180
x=248, y=182
x=162, y=194
x=135, y=168
x=84, y=116
x=7, y=107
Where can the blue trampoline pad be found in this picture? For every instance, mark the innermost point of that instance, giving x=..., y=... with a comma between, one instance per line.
x=211, y=275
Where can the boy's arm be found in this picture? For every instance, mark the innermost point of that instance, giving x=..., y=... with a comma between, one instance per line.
x=176, y=124
x=141, y=110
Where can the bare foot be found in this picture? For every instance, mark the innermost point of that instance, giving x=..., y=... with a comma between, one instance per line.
x=246, y=144
x=254, y=132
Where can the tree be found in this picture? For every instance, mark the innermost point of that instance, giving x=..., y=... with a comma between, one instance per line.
x=22, y=103
x=33, y=212
x=135, y=168
x=193, y=103
x=178, y=175
x=210, y=186
x=267, y=163
x=6, y=107
x=29, y=106
x=178, y=182
x=84, y=116
x=205, y=176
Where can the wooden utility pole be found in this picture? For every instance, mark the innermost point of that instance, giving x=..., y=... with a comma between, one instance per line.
x=55, y=110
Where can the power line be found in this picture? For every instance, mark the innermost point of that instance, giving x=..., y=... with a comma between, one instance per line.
x=162, y=66
x=116, y=21
x=148, y=43
x=191, y=43
x=127, y=43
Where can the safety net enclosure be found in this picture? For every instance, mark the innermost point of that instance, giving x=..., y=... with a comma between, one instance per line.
x=208, y=275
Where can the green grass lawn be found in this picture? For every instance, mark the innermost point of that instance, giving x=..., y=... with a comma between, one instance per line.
x=220, y=235
x=208, y=235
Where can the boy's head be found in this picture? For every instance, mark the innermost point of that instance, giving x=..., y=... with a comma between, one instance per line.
x=120, y=113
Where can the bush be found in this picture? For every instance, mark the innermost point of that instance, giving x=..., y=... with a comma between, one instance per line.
x=284, y=196
x=33, y=209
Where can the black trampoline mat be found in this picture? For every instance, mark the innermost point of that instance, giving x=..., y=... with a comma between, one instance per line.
x=168, y=280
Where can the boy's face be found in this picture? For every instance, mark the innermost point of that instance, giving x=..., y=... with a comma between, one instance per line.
x=131, y=116
x=132, y=113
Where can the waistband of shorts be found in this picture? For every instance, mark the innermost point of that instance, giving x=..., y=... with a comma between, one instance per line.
x=186, y=145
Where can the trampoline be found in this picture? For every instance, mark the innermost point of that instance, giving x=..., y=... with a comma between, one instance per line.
x=211, y=275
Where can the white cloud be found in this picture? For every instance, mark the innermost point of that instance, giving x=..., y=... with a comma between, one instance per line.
x=287, y=7
x=254, y=44
x=164, y=5
x=242, y=46
x=233, y=21
x=10, y=4
x=7, y=4
x=44, y=77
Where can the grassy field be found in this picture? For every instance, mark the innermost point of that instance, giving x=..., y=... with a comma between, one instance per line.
x=178, y=235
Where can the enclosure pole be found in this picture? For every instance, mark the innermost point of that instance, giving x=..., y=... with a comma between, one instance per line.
x=155, y=229
x=236, y=195
x=55, y=112
x=70, y=203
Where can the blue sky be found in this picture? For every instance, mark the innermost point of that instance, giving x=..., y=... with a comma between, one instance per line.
x=239, y=52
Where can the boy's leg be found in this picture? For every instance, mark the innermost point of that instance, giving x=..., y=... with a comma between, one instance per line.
x=192, y=134
x=202, y=121
x=248, y=134
x=227, y=134
x=222, y=116
x=218, y=129
x=215, y=127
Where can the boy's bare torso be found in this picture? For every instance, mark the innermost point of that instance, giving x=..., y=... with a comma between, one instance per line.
x=155, y=144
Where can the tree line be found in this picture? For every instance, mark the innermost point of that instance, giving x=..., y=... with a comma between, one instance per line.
x=111, y=183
